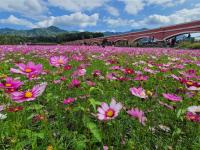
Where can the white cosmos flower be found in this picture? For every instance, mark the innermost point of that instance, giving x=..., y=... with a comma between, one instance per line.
x=2, y=116
x=194, y=109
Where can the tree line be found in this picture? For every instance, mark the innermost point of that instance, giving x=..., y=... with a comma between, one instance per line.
x=59, y=39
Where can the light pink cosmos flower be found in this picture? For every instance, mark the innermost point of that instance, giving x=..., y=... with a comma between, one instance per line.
x=30, y=69
x=77, y=57
x=2, y=107
x=150, y=71
x=108, y=112
x=28, y=95
x=58, y=61
x=172, y=97
x=79, y=73
x=11, y=84
x=96, y=73
x=90, y=83
x=139, y=92
x=111, y=76
x=138, y=114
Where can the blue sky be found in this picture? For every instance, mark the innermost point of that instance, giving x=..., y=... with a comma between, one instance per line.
x=97, y=15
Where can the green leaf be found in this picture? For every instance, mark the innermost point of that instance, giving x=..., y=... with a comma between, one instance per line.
x=80, y=145
x=93, y=128
x=35, y=107
x=96, y=89
x=94, y=103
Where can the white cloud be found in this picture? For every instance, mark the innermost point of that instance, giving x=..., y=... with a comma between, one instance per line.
x=112, y=10
x=133, y=6
x=75, y=19
x=28, y=8
x=119, y=22
x=180, y=16
x=165, y=3
x=16, y=21
x=77, y=5
x=183, y=15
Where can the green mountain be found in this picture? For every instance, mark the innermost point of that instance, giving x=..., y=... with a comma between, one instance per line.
x=52, y=31
x=47, y=32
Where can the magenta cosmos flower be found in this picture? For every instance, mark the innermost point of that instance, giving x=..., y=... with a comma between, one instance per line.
x=108, y=112
x=28, y=95
x=172, y=97
x=30, y=69
x=138, y=114
x=11, y=84
x=139, y=92
x=75, y=83
x=193, y=113
x=58, y=61
x=69, y=100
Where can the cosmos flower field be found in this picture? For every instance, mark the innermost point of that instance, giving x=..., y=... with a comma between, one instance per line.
x=79, y=97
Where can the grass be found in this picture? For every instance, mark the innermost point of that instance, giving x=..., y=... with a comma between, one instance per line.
x=74, y=126
x=189, y=45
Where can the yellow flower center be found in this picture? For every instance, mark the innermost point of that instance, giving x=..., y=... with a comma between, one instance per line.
x=28, y=70
x=8, y=85
x=110, y=113
x=60, y=61
x=189, y=83
x=149, y=93
x=28, y=94
x=50, y=147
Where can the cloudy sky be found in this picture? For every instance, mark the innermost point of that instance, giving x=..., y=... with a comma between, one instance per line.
x=96, y=15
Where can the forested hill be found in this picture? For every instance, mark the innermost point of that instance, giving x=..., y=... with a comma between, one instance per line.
x=51, y=34
x=50, y=31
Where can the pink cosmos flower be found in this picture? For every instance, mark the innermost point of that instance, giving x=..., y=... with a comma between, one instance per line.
x=150, y=71
x=90, y=83
x=128, y=71
x=58, y=61
x=30, y=69
x=139, y=92
x=75, y=83
x=116, y=68
x=192, y=85
x=166, y=105
x=77, y=57
x=69, y=100
x=2, y=107
x=56, y=81
x=111, y=76
x=193, y=117
x=105, y=147
x=138, y=114
x=79, y=73
x=193, y=113
x=28, y=95
x=11, y=84
x=68, y=67
x=141, y=78
x=172, y=97
x=96, y=73
x=108, y=112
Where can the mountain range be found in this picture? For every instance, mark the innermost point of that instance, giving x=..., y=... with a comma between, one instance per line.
x=51, y=31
